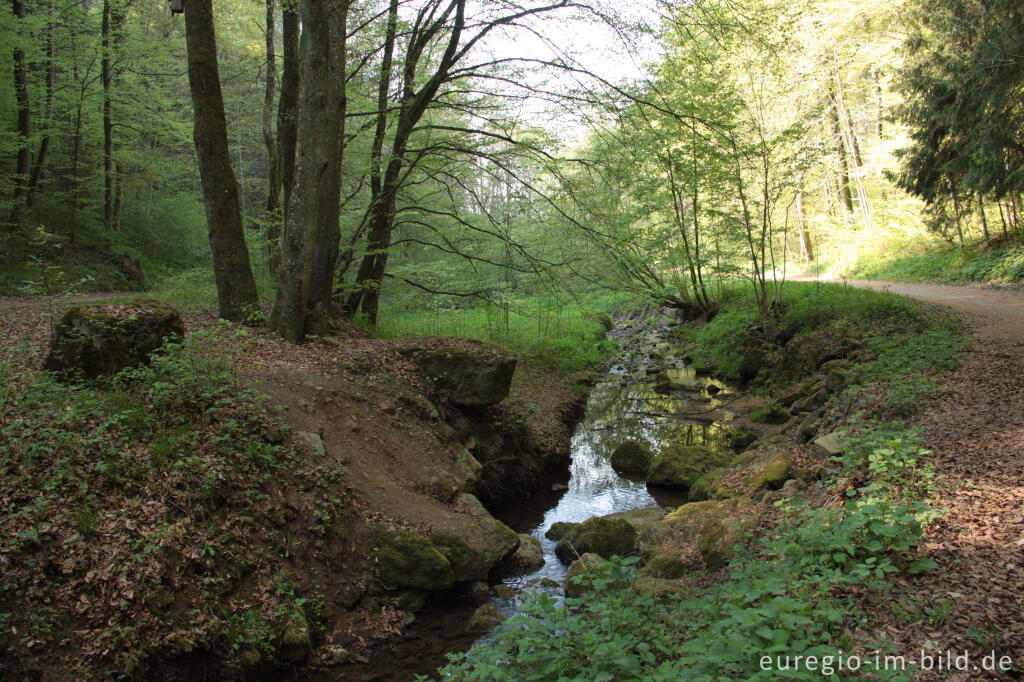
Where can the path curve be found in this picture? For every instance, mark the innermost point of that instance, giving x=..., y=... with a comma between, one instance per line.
x=974, y=425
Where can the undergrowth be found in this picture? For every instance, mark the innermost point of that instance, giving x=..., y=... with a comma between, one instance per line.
x=978, y=261
x=137, y=516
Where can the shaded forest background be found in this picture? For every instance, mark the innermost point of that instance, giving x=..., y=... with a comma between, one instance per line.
x=480, y=163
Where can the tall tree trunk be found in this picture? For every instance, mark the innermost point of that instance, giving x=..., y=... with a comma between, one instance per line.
x=23, y=168
x=108, y=124
x=287, y=111
x=1002, y=218
x=312, y=159
x=805, y=239
x=118, y=196
x=273, y=208
x=879, y=109
x=39, y=169
x=328, y=234
x=376, y=152
x=984, y=219
x=956, y=210
x=236, y=289
x=845, y=198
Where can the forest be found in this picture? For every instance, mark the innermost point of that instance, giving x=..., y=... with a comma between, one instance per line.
x=393, y=253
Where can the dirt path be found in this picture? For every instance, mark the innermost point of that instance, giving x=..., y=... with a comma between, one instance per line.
x=974, y=425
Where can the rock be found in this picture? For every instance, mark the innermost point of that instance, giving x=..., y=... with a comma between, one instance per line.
x=638, y=518
x=806, y=353
x=751, y=363
x=412, y=600
x=296, y=641
x=797, y=391
x=663, y=383
x=443, y=487
x=316, y=444
x=832, y=443
x=577, y=568
x=657, y=587
x=597, y=535
x=835, y=380
x=407, y=559
x=472, y=555
x=680, y=466
x=695, y=535
x=632, y=457
x=544, y=583
x=769, y=414
x=102, y=339
x=814, y=400
x=471, y=373
x=751, y=474
x=474, y=592
x=741, y=439
x=559, y=530
x=485, y=619
x=503, y=591
x=529, y=557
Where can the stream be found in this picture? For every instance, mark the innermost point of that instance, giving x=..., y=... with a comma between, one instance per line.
x=623, y=405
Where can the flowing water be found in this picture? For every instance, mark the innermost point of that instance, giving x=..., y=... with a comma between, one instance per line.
x=622, y=406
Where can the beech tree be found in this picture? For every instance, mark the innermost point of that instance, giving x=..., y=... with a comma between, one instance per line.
x=236, y=289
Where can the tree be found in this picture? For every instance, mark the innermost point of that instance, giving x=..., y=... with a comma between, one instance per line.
x=236, y=289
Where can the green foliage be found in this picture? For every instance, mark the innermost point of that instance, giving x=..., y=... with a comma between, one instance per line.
x=566, y=335
x=976, y=262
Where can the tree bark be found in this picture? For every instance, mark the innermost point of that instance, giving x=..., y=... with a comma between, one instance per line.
x=984, y=219
x=328, y=233
x=23, y=168
x=39, y=169
x=805, y=239
x=845, y=197
x=273, y=208
x=236, y=289
x=311, y=166
x=287, y=111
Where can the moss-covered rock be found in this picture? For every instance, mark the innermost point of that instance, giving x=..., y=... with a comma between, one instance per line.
x=528, y=557
x=680, y=466
x=597, y=535
x=658, y=587
x=484, y=619
x=750, y=474
x=632, y=457
x=698, y=534
x=407, y=559
x=296, y=639
x=102, y=339
x=638, y=518
x=559, y=530
x=751, y=363
x=805, y=353
x=473, y=554
x=471, y=373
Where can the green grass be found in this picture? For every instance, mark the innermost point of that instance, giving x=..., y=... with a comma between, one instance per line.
x=976, y=262
x=565, y=335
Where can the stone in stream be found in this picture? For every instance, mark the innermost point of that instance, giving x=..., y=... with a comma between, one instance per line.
x=559, y=530
x=529, y=557
x=485, y=619
x=632, y=457
x=598, y=535
x=679, y=466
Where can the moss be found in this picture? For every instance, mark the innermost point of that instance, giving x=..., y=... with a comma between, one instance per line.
x=559, y=530
x=698, y=533
x=603, y=536
x=680, y=466
x=771, y=475
x=632, y=457
x=296, y=640
x=406, y=559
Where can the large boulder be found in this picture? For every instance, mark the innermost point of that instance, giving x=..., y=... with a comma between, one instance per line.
x=597, y=535
x=805, y=353
x=751, y=474
x=529, y=557
x=468, y=372
x=581, y=567
x=102, y=339
x=407, y=559
x=473, y=553
x=638, y=518
x=697, y=535
x=679, y=466
x=632, y=457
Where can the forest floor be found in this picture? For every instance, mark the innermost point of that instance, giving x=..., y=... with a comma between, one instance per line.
x=974, y=425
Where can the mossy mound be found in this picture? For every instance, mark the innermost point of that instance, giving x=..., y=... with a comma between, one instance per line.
x=559, y=530
x=484, y=619
x=469, y=372
x=632, y=457
x=680, y=466
x=751, y=474
x=407, y=559
x=580, y=567
x=698, y=534
x=101, y=340
x=598, y=535
x=472, y=555
x=528, y=557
